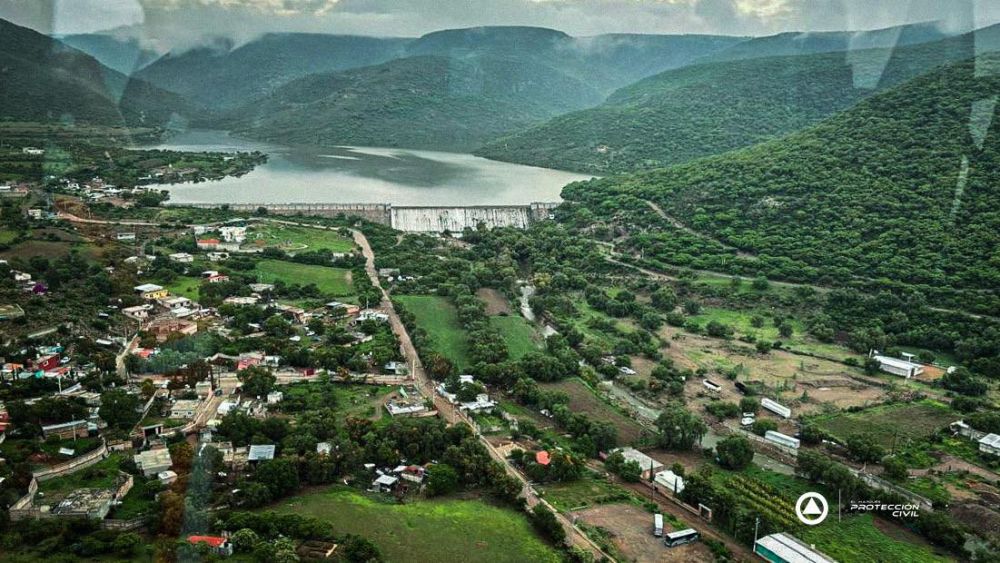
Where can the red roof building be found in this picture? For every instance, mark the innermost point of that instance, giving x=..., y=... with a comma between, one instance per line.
x=218, y=544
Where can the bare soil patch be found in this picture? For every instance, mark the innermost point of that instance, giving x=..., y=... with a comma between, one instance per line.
x=631, y=531
x=496, y=302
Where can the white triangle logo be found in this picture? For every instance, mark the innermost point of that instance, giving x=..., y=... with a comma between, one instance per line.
x=812, y=508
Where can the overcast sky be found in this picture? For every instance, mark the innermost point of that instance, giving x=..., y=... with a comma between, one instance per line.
x=175, y=22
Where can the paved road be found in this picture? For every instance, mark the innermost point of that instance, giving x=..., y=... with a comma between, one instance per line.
x=574, y=535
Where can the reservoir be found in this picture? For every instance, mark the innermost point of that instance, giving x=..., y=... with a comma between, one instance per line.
x=365, y=175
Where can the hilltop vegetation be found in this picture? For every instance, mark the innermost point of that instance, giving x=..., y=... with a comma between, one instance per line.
x=44, y=80
x=709, y=109
x=898, y=187
x=417, y=102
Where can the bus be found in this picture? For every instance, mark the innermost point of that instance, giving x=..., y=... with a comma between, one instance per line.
x=681, y=537
x=658, y=525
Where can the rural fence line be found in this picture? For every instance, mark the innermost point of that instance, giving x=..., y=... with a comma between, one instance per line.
x=73, y=465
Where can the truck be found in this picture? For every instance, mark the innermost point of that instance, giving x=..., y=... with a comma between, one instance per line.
x=658, y=525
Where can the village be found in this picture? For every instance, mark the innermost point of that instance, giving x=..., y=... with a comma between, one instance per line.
x=223, y=338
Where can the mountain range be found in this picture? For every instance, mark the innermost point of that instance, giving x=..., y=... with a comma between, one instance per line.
x=711, y=108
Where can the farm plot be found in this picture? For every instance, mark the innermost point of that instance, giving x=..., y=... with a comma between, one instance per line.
x=334, y=282
x=889, y=424
x=466, y=530
x=437, y=316
x=521, y=338
x=298, y=239
x=583, y=400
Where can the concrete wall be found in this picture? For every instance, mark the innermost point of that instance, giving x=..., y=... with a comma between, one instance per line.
x=410, y=218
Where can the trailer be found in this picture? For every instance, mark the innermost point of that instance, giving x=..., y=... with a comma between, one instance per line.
x=776, y=408
x=658, y=525
x=781, y=439
x=711, y=385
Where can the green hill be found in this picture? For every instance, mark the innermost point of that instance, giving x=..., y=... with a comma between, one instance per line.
x=45, y=80
x=123, y=54
x=709, y=109
x=223, y=77
x=904, y=186
x=807, y=43
x=426, y=101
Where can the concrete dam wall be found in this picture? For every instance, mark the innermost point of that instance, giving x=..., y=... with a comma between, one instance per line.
x=410, y=218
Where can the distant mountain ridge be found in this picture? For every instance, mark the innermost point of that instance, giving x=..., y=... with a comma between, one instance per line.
x=433, y=101
x=712, y=108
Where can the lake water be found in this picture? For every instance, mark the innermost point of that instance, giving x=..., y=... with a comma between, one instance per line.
x=365, y=175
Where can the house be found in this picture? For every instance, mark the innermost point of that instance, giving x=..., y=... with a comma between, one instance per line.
x=343, y=308
x=164, y=328
x=543, y=458
x=184, y=409
x=207, y=243
x=895, y=366
x=990, y=444
x=261, y=287
x=32, y=151
x=648, y=464
x=384, y=483
x=412, y=473
x=218, y=278
x=404, y=408
x=260, y=453
x=181, y=257
x=482, y=403
x=324, y=448
x=153, y=462
x=166, y=477
x=151, y=291
x=398, y=368
x=66, y=430
x=786, y=548
x=670, y=481
x=237, y=300
x=233, y=234
x=175, y=302
x=125, y=236
x=218, y=544
x=139, y=312
x=372, y=315
x=203, y=389
x=218, y=256
x=298, y=314
x=275, y=397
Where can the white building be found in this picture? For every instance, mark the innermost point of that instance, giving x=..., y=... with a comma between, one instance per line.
x=776, y=408
x=181, y=257
x=153, y=462
x=669, y=481
x=233, y=234
x=646, y=463
x=990, y=444
x=184, y=409
x=895, y=366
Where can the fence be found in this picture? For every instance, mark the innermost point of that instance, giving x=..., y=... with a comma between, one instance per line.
x=73, y=465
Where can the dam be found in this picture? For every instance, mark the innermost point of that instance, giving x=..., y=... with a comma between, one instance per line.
x=414, y=219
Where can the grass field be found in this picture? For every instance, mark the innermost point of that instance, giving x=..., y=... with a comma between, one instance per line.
x=582, y=493
x=101, y=475
x=334, y=282
x=856, y=539
x=897, y=423
x=7, y=236
x=428, y=530
x=520, y=337
x=583, y=400
x=300, y=239
x=438, y=317
x=185, y=286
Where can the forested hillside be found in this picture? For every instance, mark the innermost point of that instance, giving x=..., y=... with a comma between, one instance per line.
x=43, y=80
x=426, y=101
x=708, y=109
x=220, y=76
x=903, y=186
x=124, y=54
x=224, y=77
x=807, y=43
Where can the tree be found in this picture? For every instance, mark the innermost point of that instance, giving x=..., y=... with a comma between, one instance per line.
x=734, y=452
x=360, y=550
x=679, y=429
x=749, y=404
x=760, y=283
x=664, y=299
x=895, y=469
x=785, y=329
x=257, y=381
x=120, y=409
x=864, y=448
x=547, y=524
x=280, y=476
x=762, y=425
x=442, y=480
x=244, y=540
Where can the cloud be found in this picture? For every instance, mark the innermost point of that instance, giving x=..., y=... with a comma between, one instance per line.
x=186, y=22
